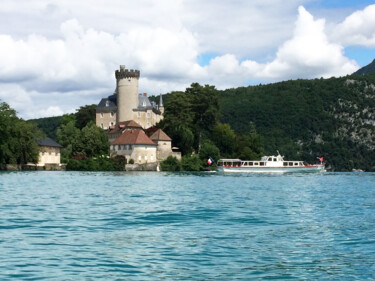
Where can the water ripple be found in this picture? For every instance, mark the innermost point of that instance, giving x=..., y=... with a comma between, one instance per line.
x=186, y=226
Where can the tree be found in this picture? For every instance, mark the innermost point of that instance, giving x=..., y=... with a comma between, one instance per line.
x=225, y=138
x=17, y=138
x=94, y=140
x=205, y=107
x=85, y=115
x=91, y=141
x=69, y=136
x=188, y=115
x=208, y=150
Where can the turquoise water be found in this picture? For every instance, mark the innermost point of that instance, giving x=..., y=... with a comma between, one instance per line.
x=164, y=226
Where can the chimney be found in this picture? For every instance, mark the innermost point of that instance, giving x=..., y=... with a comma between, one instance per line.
x=145, y=94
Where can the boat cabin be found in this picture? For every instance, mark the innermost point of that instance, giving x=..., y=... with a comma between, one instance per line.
x=265, y=161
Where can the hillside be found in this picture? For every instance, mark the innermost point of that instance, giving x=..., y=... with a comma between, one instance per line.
x=368, y=69
x=304, y=119
x=48, y=125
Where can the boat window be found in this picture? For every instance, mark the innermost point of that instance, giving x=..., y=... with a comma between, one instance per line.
x=256, y=163
x=290, y=164
x=261, y=163
x=274, y=159
x=296, y=164
x=285, y=164
x=251, y=163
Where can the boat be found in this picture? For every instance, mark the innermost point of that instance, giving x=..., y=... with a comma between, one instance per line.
x=268, y=164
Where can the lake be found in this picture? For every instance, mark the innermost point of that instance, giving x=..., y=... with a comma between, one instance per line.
x=186, y=226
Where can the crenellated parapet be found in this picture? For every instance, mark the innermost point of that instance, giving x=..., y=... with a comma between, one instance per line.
x=127, y=73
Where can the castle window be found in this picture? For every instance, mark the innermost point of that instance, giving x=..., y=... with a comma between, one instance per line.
x=146, y=157
x=112, y=114
x=101, y=115
x=148, y=115
x=101, y=125
x=152, y=157
x=107, y=103
x=144, y=103
x=139, y=157
x=138, y=114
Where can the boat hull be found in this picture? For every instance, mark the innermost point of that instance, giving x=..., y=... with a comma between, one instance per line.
x=304, y=169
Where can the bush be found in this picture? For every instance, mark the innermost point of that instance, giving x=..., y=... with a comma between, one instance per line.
x=119, y=162
x=131, y=161
x=191, y=163
x=170, y=164
x=96, y=164
x=208, y=150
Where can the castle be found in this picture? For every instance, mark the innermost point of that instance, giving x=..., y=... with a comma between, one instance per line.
x=126, y=104
x=126, y=115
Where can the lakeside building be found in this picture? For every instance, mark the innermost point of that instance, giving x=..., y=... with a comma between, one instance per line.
x=130, y=140
x=127, y=104
x=49, y=152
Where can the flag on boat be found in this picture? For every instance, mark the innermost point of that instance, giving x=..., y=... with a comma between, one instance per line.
x=320, y=159
x=210, y=161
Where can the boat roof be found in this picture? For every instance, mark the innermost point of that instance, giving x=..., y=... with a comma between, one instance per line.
x=230, y=160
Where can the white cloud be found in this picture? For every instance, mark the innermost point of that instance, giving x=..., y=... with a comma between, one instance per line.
x=357, y=29
x=309, y=54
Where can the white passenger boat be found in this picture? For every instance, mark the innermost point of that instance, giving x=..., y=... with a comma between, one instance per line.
x=268, y=164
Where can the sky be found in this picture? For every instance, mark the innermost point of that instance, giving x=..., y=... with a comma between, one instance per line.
x=56, y=56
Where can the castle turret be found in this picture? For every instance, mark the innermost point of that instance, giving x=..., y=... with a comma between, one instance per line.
x=127, y=92
x=161, y=106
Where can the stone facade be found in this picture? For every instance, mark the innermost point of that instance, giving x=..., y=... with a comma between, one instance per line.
x=127, y=104
x=105, y=120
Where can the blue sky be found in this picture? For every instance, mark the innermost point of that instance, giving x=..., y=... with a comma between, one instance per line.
x=56, y=56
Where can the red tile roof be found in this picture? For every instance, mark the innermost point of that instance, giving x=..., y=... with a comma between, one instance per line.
x=133, y=137
x=130, y=124
x=159, y=135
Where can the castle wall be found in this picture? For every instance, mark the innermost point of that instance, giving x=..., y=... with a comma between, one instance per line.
x=146, y=118
x=106, y=119
x=164, y=149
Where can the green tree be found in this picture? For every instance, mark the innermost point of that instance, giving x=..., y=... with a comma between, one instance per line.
x=205, y=107
x=85, y=115
x=17, y=138
x=94, y=140
x=70, y=137
x=208, y=150
x=224, y=138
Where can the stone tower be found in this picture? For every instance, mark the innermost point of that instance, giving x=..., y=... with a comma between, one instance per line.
x=127, y=92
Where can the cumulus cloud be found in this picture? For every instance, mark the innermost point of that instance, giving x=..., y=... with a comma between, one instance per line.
x=357, y=29
x=309, y=54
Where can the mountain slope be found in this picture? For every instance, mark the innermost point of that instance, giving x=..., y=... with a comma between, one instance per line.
x=304, y=119
x=368, y=69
